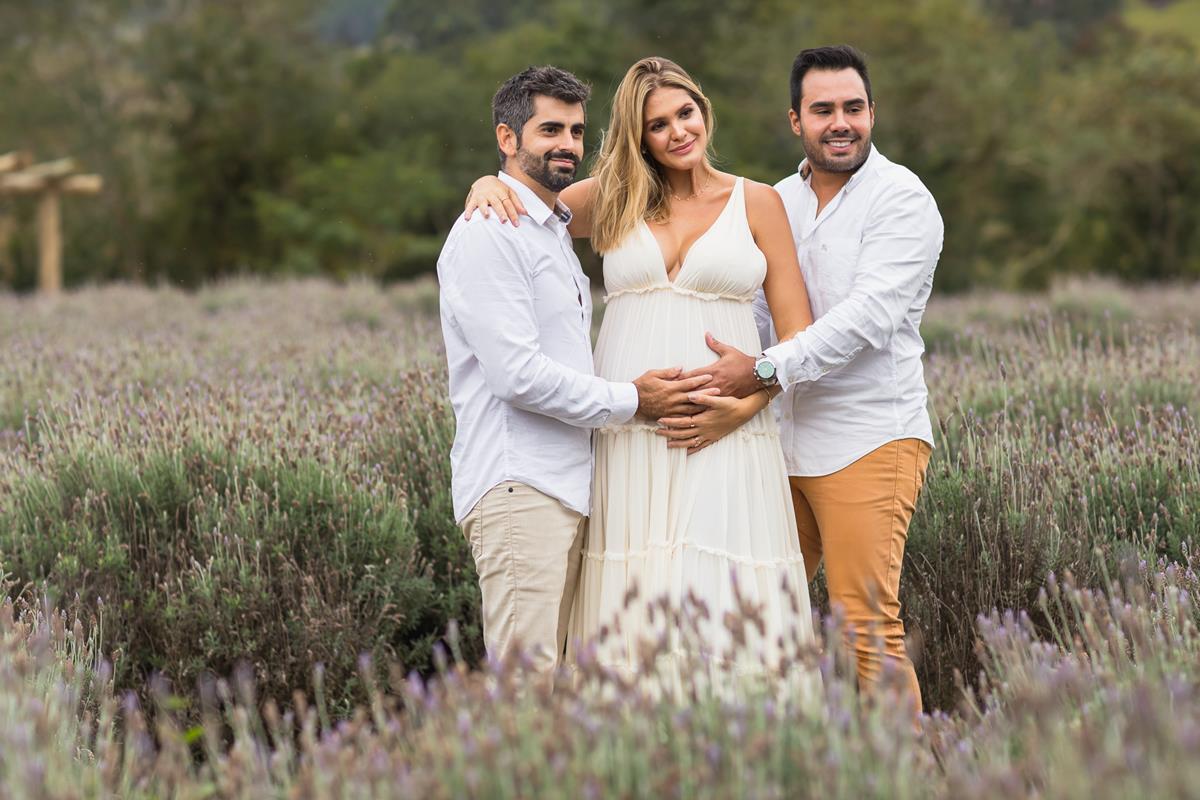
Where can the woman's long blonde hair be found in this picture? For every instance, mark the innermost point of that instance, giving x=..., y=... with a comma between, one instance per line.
x=630, y=185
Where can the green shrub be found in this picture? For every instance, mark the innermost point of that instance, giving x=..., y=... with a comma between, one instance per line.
x=205, y=553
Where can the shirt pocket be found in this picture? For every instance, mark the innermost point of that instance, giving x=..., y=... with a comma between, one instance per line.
x=839, y=265
x=558, y=301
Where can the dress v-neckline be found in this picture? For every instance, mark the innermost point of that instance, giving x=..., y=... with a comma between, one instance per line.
x=683, y=260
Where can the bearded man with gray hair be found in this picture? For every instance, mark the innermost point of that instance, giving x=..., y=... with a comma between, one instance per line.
x=516, y=314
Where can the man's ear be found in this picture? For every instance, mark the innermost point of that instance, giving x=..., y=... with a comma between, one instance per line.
x=872, y=114
x=794, y=120
x=506, y=140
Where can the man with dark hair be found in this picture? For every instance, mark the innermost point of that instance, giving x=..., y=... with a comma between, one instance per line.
x=836, y=57
x=855, y=428
x=516, y=316
x=846, y=62
x=513, y=103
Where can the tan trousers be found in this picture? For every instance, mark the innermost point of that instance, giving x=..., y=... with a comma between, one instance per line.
x=857, y=520
x=527, y=548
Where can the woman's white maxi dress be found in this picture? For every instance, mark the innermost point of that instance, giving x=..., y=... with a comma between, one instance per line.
x=676, y=526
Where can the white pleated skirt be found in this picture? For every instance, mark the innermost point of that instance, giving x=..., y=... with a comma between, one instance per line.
x=680, y=548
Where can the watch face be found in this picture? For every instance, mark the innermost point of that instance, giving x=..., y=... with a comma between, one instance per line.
x=765, y=370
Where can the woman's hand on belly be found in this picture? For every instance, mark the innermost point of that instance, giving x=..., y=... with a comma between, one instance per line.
x=720, y=417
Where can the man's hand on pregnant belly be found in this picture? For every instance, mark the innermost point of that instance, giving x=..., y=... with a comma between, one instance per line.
x=732, y=372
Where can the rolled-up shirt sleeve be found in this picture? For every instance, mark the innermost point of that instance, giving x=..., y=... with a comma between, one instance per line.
x=901, y=244
x=488, y=287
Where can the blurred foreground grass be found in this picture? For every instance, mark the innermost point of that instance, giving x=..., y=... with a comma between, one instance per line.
x=1105, y=705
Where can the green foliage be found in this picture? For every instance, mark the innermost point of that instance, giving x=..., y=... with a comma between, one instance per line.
x=204, y=557
x=248, y=104
x=1131, y=170
x=1071, y=19
x=278, y=507
x=1170, y=18
x=338, y=137
x=1017, y=498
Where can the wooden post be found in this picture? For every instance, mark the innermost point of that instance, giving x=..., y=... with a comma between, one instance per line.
x=50, y=242
x=50, y=181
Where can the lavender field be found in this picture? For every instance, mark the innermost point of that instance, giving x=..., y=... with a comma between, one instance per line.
x=226, y=541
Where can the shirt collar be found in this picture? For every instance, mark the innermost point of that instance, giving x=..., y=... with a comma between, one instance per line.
x=537, y=210
x=867, y=168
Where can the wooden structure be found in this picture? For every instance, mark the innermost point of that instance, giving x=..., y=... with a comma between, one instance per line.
x=50, y=181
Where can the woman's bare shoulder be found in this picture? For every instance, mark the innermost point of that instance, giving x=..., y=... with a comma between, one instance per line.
x=762, y=199
x=760, y=192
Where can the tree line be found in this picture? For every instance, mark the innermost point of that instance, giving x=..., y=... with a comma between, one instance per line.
x=339, y=137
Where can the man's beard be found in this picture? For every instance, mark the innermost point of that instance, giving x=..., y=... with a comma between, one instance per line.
x=816, y=156
x=539, y=168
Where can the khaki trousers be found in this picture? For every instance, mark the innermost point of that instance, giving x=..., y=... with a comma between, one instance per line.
x=857, y=519
x=527, y=548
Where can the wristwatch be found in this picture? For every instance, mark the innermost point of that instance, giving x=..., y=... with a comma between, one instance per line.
x=764, y=370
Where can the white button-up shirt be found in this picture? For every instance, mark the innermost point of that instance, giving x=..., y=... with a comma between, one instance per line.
x=853, y=379
x=516, y=314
